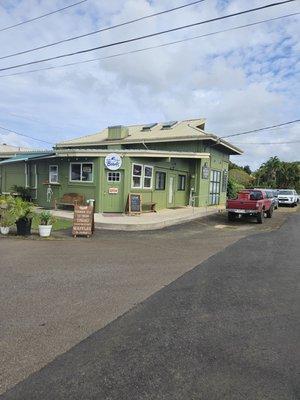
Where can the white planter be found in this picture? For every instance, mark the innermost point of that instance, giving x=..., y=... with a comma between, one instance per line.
x=45, y=230
x=4, y=230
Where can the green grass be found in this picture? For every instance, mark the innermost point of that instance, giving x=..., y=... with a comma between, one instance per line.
x=59, y=224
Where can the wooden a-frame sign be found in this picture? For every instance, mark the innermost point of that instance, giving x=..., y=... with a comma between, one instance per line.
x=83, y=222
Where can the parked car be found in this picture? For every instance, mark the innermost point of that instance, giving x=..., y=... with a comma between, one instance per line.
x=271, y=194
x=288, y=196
x=251, y=202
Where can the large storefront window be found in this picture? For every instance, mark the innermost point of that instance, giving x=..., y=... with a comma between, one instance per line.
x=81, y=172
x=214, y=187
x=160, y=180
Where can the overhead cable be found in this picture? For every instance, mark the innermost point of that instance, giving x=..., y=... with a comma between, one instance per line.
x=147, y=36
x=24, y=135
x=42, y=16
x=150, y=47
x=101, y=30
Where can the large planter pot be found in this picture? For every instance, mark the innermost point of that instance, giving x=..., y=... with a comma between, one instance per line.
x=4, y=230
x=24, y=226
x=45, y=230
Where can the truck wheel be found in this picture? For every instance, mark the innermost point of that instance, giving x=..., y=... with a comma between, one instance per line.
x=260, y=217
x=231, y=216
x=269, y=212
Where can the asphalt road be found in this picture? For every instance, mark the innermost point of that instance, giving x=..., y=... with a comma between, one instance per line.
x=228, y=329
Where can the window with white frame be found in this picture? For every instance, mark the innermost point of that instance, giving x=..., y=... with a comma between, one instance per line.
x=113, y=176
x=181, y=182
x=53, y=173
x=81, y=172
x=148, y=176
x=137, y=172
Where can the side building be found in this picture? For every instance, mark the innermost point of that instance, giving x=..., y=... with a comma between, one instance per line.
x=171, y=164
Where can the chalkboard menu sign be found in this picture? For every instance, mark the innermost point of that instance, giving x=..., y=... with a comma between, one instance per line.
x=134, y=203
x=83, y=223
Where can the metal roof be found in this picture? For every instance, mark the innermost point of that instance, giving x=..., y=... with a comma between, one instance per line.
x=26, y=157
x=187, y=130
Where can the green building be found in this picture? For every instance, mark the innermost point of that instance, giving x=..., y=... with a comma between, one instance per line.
x=171, y=164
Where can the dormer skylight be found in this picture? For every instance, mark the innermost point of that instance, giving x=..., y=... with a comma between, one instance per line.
x=168, y=125
x=148, y=127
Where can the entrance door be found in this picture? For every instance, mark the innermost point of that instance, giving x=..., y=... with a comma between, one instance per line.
x=113, y=192
x=171, y=191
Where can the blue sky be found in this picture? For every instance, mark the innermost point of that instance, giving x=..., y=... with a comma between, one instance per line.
x=239, y=80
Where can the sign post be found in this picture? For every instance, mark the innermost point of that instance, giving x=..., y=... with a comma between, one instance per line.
x=83, y=222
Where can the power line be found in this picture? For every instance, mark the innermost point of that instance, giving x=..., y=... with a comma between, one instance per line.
x=261, y=129
x=269, y=143
x=148, y=36
x=102, y=29
x=42, y=16
x=24, y=135
x=150, y=47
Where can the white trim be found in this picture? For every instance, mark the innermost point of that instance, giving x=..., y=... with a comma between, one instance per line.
x=26, y=174
x=35, y=177
x=137, y=176
x=49, y=175
x=152, y=169
x=80, y=163
x=131, y=153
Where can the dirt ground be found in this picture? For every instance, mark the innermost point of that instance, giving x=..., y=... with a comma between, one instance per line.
x=54, y=293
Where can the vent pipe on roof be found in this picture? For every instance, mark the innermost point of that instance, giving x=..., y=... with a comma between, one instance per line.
x=117, y=132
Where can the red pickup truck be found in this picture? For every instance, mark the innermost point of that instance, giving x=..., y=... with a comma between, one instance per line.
x=250, y=203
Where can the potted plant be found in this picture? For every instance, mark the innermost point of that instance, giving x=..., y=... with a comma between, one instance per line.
x=6, y=221
x=23, y=212
x=45, y=223
x=6, y=214
x=23, y=192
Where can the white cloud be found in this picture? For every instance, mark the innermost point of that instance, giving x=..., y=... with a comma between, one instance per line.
x=238, y=80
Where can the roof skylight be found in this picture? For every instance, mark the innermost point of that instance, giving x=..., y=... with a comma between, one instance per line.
x=168, y=125
x=148, y=127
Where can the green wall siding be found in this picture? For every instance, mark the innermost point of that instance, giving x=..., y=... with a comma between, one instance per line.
x=12, y=174
x=99, y=189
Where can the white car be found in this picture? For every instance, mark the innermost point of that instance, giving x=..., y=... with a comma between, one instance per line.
x=288, y=196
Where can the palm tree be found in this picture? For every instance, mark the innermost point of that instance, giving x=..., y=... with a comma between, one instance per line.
x=268, y=172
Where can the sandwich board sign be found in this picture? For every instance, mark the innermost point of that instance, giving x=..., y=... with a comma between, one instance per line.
x=134, y=203
x=83, y=222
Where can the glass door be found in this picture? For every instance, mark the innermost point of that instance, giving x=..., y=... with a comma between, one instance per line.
x=214, y=187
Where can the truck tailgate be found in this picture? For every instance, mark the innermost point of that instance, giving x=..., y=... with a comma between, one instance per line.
x=241, y=204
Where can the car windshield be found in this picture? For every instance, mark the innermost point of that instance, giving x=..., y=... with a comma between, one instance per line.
x=290, y=192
